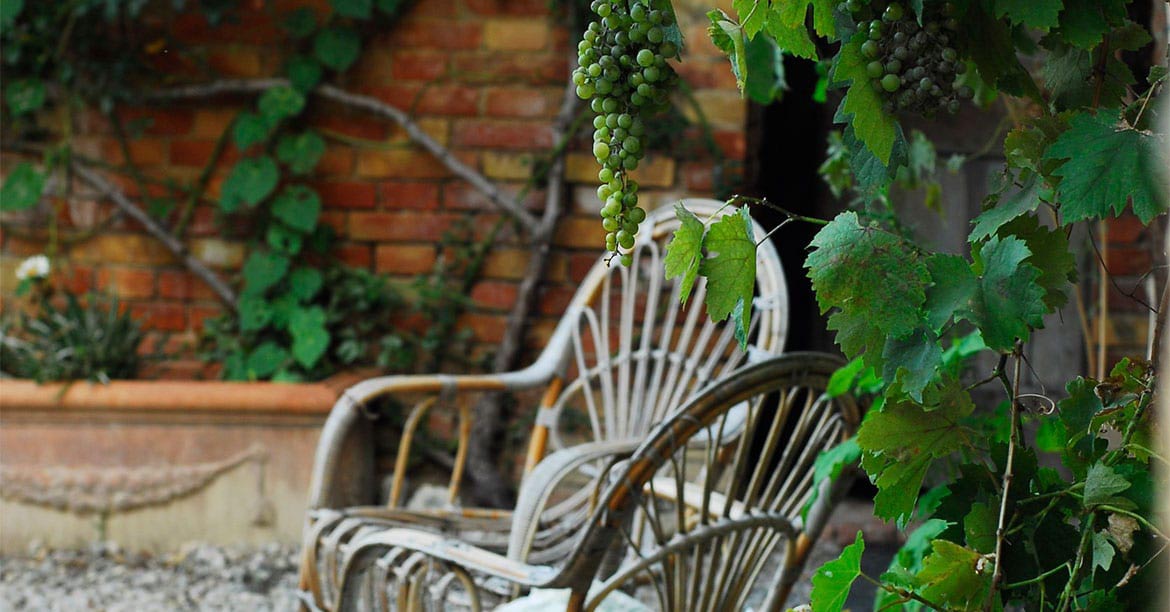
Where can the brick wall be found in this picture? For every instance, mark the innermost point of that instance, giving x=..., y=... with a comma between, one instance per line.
x=484, y=77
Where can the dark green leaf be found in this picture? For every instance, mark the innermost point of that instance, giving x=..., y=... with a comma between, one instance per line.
x=988, y=42
x=262, y=270
x=249, y=182
x=1101, y=484
x=24, y=96
x=1102, y=551
x=831, y=583
x=752, y=14
x=793, y=14
x=841, y=382
x=979, y=527
x=953, y=285
x=249, y=129
x=955, y=575
x=1050, y=255
x=299, y=207
x=300, y=23
x=871, y=173
x=300, y=152
x=828, y=466
x=22, y=187
x=304, y=72
x=254, y=313
x=389, y=7
x=337, y=47
x=685, y=251
x=1009, y=302
x=281, y=103
x=731, y=268
x=357, y=9
x=1083, y=23
x=310, y=339
x=765, y=70
x=265, y=360
x=912, y=361
x=1007, y=208
x=792, y=39
x=9, y=11
x=1078, y=409
x=1041, y=14
x=1107, y=167
x=284, y=239
x=304, y=283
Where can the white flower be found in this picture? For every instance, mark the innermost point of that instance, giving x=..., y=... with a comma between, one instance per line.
x=36, y=266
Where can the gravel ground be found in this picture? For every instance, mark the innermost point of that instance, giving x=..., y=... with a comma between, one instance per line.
x=102, y=577
x=198, y=577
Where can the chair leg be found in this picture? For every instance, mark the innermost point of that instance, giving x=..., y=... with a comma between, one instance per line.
x=576, y=601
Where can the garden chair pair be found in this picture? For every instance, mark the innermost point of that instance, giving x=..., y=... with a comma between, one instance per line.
x=620, y=485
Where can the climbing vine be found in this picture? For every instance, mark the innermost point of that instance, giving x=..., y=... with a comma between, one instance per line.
x=1004, y=529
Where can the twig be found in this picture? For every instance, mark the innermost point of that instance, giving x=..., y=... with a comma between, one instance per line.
x=200, y=186
x=375, y=107
x=173, y=244
x=905, y=594
x=1013, y=440
x=737, y=199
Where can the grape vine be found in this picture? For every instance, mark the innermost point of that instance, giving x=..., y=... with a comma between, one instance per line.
x=623, y=74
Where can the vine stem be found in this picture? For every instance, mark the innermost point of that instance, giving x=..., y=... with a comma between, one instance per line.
x=1013, y=440
x=371, y=105
x=903, y=593
x=791, y=216
x=173, y=244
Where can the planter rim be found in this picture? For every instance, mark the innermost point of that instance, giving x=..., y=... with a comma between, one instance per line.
x=169, y=396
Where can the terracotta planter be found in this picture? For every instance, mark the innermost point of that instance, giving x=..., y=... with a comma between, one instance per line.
x=152, y=465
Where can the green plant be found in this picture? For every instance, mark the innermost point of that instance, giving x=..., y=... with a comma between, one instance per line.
x=92, y=338
x=1002, y=531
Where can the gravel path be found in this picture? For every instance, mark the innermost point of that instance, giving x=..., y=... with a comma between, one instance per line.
x=199, y=577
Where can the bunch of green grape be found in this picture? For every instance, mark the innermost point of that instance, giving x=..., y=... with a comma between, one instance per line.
x=624, y=75
x=915, y=67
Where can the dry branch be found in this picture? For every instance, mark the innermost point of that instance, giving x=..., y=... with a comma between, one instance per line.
x=373, y=106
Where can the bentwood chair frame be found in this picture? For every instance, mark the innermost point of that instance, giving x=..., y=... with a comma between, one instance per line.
x=623, y=357
x=746, y=527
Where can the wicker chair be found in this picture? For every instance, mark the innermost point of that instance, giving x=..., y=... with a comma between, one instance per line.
x=705, y=521
x=625, y=354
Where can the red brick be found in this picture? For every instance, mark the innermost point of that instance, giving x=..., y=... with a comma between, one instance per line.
x=505, y=263
x=580, y=264
x=699, y=177
x=203, y=222
x=126, y=282
x=159, y=121
x=332, y=119
x=503, y=135
x=338, y=161
x=1126, y=229
x=192, y=153
x=406, y=163
x=485, y=327
x=336, y=194
x=414, y=65
x=532, y=68
x=733, y=144
x=255, y=26
x=494, y=294
x=461, y=196
x=410, y=194
x=200, y=314
x=404, y=259
x=449, y=100
x=335, y=219
x=523, y=8
x=413, y=227
x=518, y=102
x=236, y=61
x=180, y=285
x=356, y=255
x=555, y=300
x=76, y=279
x=166, y=316
x=143, y=151
x=412, y=33
x=1128, y=260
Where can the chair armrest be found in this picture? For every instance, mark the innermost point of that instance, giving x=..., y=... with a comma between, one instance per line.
x=337, y=434
x=543, y=480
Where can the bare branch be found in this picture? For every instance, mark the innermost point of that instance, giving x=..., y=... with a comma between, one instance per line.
x=376, y=107
x=173, y=244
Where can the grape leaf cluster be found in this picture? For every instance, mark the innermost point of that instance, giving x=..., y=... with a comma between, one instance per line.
x=912, y=65
x=623, y=73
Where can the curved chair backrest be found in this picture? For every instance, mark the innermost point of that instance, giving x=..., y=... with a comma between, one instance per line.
x=703, y=532
x=633, y=352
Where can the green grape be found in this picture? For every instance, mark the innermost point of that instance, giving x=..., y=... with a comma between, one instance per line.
x=637, y=215
x=627, y=260
x=891, y=83
x=874, y=69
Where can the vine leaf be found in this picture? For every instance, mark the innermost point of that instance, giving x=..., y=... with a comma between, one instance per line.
x=685, y=251
x=1102, y=551
x=955, y=575
x=299, y=207
x=1106, y=168
x=875, y=279
x=987, y=40
x=912, y=361
x=250, y=181
x=284, y=239
x=1050, y=255
x=979, y=527
x=280, y=103
x=22, y=188
x=310, y=338
x=727, y=35
x=1083, y=23
x=266, y=359
x=300, y=152
x=765, y=81
x=357, y=9
x=953, y=286
x=870, y=123
x=249, y=129
x=1007, y=208
x=791, y=38
x=902, y=440
x=828, y=466
x=255, y=313
x=337, y=47
x=752, y=15
x=262, y=270
x=906, y=563
x=9, y=11
x=793, y=13
x=731, y=269
x=1009, y=301
x=833, y=580
x=1101, y=484
x=304, y=283
x=25, y=96
x=1041, y=14
x=304, y=72
x=301, y=22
